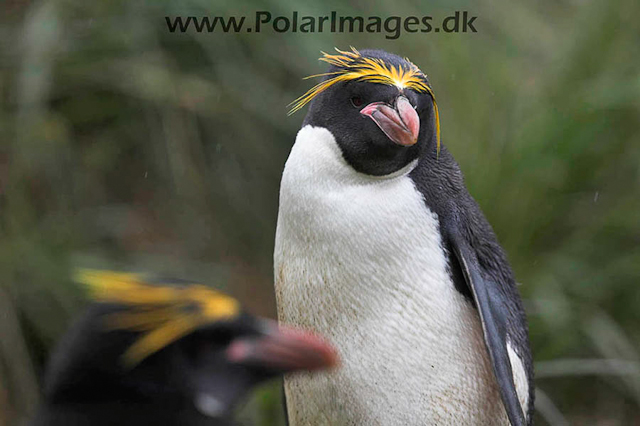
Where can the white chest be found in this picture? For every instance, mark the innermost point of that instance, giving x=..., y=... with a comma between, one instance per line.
x=359, y=259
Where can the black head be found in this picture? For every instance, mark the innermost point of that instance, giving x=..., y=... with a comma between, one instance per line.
x=378, y=106
x=143, y=363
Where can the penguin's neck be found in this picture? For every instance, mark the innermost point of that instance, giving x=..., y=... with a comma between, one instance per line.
x=317, y=158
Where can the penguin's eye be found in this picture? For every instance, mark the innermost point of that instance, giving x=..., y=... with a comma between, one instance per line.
x=356, y=101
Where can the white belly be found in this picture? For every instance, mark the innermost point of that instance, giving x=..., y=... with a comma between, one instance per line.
x=359, y=260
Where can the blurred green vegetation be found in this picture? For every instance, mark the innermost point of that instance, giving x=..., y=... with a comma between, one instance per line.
x=123, y=145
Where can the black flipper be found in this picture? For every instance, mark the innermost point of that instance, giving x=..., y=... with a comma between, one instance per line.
x=494, y=314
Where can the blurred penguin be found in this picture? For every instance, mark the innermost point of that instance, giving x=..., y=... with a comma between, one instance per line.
x=165, y=352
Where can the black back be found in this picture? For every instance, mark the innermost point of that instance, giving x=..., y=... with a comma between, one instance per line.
x=439, y=179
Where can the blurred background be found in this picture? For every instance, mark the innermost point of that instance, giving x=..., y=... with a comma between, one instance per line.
x=126, y=146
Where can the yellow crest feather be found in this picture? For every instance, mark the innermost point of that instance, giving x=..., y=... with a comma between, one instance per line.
x=162, y=312
x=353, y=66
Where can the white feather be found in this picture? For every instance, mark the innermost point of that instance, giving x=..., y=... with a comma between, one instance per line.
x=519, y=377
x=359, y=259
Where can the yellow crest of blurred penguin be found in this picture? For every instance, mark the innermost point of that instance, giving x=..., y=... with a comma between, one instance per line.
x=163, y=313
